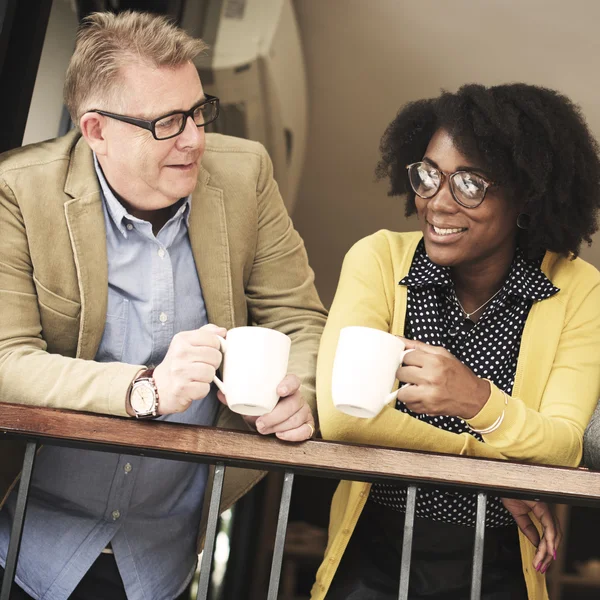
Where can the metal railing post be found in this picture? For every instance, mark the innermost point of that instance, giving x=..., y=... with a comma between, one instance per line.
x=211, y=532
x=409, y=525
x=477, y=572
x=16, y=533
x=284, y=511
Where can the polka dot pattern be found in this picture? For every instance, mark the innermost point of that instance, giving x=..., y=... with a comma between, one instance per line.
x=490, y=348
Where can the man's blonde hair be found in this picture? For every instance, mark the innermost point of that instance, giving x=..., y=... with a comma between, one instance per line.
x=106, y=42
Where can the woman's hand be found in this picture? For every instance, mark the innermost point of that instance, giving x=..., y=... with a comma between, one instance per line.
x=441, y=384
x=551, y=533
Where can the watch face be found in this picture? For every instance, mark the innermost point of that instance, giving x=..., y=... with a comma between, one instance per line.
x=142, y=398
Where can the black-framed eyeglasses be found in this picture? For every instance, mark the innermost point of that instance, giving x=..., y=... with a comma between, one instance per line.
x=467, y=188
x=173, y=123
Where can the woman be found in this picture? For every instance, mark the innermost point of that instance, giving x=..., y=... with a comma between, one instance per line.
x=503, y=320
x=591, y=442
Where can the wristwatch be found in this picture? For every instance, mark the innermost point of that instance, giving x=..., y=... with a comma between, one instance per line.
x=143, y=396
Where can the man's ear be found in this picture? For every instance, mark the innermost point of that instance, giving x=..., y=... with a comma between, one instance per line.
x=92, y=127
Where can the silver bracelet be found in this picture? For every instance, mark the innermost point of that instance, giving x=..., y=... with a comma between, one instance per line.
x=496, y=423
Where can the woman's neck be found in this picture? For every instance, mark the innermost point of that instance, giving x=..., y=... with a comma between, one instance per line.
x=476, y=284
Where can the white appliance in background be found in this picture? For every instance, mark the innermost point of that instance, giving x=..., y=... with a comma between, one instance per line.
x=255, y=66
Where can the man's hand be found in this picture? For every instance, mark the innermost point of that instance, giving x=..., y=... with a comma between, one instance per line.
x=551, y=534
x=441, y=384
x=188, y=368
x=291, y=419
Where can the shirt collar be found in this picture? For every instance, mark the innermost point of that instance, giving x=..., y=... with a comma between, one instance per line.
x=119, y=214
x=525, y=278
x=423, y=272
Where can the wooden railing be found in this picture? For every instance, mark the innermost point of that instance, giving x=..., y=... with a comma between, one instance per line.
x=225, y=448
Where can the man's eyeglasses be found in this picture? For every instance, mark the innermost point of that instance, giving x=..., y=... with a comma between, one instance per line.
x=467, y=188
x=172, y=124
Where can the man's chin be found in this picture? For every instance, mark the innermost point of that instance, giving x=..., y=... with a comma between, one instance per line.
x=180, y=189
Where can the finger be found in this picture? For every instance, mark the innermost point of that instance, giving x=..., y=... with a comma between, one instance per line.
x=295, y=420
x=214, y=329
x=206, y=336
x=423, y=347
x=412, y=395
x=558, y=540
x=415, y=375
x=529, y=530
x=300, y=434
x=415, y=358
x=199, y=372
x=285, y=409
x=203, y=354
x=540, y=556
x=289, y=385
x=221, y=397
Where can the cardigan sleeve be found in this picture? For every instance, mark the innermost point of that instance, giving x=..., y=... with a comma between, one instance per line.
x=549, y=430
x=366, y=295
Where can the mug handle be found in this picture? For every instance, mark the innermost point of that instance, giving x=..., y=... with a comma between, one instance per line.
x=394, y=394
x=216, y=380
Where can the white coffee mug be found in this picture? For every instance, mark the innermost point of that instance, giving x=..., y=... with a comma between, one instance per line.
x=364, y=370
x=255, y=361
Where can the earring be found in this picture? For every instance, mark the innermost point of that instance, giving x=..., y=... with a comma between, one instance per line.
x=523, y=221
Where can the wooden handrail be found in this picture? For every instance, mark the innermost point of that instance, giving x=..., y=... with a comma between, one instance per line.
x=318, y=457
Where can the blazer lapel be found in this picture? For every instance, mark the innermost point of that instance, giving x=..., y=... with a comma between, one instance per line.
x=210, y=247
x=85, y=220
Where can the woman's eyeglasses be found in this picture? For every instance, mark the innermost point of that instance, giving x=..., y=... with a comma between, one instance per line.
x=467, y=188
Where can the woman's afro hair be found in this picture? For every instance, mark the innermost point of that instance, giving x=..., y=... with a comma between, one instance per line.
x=532, y=141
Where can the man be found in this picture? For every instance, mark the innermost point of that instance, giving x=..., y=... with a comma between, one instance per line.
x=126, y=248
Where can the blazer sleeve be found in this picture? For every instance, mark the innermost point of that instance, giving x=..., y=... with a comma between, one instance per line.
x=280, y=291
x=366, y=296
x=29, y=374
x=591, y=442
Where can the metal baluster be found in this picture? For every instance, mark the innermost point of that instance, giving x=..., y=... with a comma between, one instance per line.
x=211, y=532
x=284, y=511
x=409, y=525
x=17, y=527
x=478, y=547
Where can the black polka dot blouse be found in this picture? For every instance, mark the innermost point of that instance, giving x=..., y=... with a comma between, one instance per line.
x=490, y=348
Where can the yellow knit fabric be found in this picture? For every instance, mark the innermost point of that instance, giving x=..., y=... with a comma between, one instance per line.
x=556, y=388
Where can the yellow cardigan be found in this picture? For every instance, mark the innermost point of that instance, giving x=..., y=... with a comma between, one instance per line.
x=556, y=387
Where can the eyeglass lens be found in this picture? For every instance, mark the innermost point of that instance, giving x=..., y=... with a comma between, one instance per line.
x=174, y=124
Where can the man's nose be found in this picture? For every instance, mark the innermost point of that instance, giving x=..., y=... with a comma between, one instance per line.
x=191, y=136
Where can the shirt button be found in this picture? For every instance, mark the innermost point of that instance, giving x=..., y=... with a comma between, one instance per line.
x=127, y=468
x=129, y=226
x=163, y=317
x=161, y=252
x=115, y=515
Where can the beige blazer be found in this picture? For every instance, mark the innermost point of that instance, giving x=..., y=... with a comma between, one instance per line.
x=251, y=263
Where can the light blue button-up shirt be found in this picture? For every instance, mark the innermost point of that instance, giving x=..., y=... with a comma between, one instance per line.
x=148, y=509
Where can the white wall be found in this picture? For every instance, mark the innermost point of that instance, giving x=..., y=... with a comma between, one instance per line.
x=366, y=58
x=46, y=104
